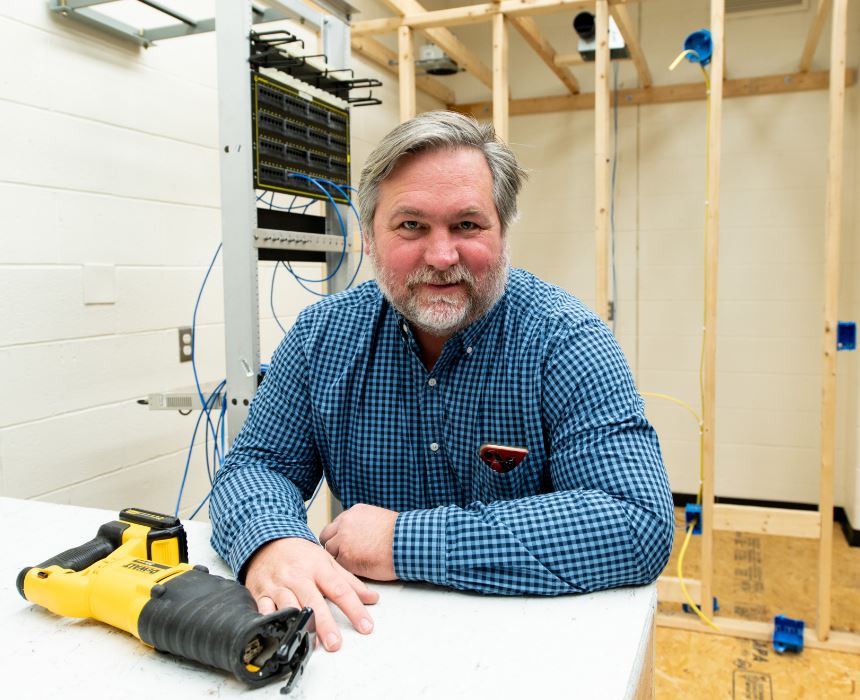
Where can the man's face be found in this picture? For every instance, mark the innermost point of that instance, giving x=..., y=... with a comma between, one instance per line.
x=437, y=246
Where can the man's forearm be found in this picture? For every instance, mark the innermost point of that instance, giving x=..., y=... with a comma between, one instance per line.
x=251, y=506
x=550, y=544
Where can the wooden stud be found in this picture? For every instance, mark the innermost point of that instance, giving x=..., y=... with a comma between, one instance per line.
x=846, y=642
x=832, y=236
x=601, y=159
x=445, y=40
x=529, y=30
x=406, y=71
x=664, y=94
x=500, y=76
x=712, y=248
x=625, y=26
x=814, y=35
x=386, y=59
x=768, y=521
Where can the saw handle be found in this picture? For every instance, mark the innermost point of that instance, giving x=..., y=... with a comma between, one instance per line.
x=106, y=541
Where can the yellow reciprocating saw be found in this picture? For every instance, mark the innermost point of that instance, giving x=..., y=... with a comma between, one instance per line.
x=135, y=575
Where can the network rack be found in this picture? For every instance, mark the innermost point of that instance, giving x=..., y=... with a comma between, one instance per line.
x=297, y=133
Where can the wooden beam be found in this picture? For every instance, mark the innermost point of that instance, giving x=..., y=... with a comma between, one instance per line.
x=712, y=249
x=528, y=28
x=453, y=17
x=602, y=160
x=469, y=14
x=742, y=87
x=832, y=237
x=406, y=72
x=500, y=77
x=625, y=26
x=814, y=35
x=446, y=41
x=372, y=27
x=386, y=59
x=568, y=59
x=846, y=642
x=669, y=590
x=514, y=8
x=768, y=521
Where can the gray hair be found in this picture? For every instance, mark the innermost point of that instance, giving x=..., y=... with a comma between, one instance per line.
x=432, y=131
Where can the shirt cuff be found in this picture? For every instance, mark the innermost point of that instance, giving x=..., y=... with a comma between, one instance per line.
x=257, y=532
x=420, y=546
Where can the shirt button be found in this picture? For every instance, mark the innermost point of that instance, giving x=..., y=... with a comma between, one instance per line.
x=434, y=446
x=432, y=381
x=405, y=328
x=469, y=350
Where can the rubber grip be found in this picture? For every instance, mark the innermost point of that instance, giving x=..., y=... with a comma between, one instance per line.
x=212, y=620
x=108, y=538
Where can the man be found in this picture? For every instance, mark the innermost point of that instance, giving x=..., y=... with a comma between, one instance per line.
x=390, y=389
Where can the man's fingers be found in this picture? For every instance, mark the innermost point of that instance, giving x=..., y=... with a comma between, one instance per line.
x=338, y=588
x=365, y=594
x=265, y=605
x=328, y=532
x=327, y=631
x=285, y=598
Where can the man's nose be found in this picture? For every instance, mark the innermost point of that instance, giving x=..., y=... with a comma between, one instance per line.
x=441, y=251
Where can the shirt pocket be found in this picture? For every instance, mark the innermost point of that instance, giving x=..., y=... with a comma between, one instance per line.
x=489, y=485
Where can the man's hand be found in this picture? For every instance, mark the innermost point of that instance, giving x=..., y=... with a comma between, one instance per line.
x=361, y=540
x=297, y=573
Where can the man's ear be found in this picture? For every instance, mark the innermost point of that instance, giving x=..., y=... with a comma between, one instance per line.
x=365, y=240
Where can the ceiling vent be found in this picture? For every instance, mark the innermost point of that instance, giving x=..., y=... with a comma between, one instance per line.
x=744, y=7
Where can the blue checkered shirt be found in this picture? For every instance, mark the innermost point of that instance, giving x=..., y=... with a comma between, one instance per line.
x=347, y=395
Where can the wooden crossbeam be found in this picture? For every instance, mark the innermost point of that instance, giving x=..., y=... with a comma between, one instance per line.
x=449, y=43
x=814, y=35
x=529, y=30
x=386, y=59
x=625, y=25
x=767, y=521
x=472, y=14
x=661, y=94
x=846, y=642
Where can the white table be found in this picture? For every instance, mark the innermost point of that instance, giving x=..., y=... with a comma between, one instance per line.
x=427, y=643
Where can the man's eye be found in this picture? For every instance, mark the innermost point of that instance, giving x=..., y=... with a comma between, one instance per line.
x=410, y=225
x=467, y=226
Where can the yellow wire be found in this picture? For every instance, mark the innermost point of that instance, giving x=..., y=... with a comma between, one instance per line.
x=686, y=593
x=699, y=417
x=678, y=401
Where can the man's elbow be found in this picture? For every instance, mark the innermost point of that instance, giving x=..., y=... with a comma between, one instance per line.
x=655, y=544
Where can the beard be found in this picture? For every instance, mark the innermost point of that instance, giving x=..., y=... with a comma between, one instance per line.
x=443, y=314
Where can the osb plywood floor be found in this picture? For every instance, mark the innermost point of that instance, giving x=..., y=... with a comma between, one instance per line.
x=757, y=577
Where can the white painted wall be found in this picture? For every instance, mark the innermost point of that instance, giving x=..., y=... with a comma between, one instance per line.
x=109, y=159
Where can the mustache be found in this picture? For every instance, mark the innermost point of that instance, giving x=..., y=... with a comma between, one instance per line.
x=453, y=275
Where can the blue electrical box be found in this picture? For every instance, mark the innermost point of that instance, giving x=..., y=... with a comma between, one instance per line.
x=693, y=513
x=846, y=335
x=787, y=634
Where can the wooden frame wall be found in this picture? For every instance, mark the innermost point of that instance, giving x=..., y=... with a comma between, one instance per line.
x=500, y=13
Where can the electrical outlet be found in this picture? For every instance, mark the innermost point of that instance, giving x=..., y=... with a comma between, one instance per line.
x=185, y=344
